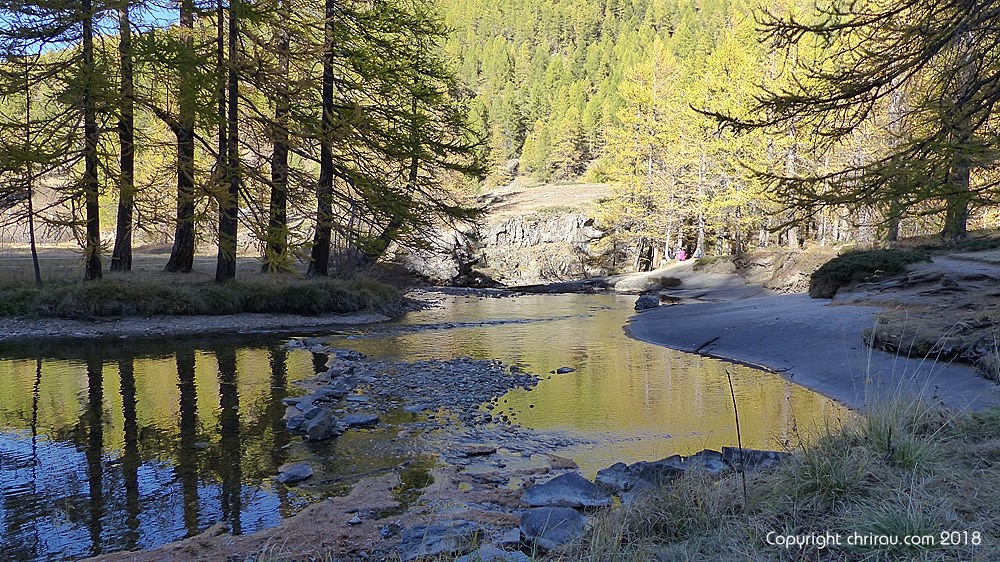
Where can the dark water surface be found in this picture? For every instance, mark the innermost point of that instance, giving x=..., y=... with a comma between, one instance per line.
x=123, y=444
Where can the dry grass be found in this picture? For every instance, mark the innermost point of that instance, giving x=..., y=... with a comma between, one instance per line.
x=147, y=290
x=903, y=469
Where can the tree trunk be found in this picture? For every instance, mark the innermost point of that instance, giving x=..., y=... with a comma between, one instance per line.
x=121, y=256
x=229, y=205
x=92, y=250
x=895, y=217
x=182, y=252
x=320, y=263
x=958, y=116
x=276, y=249
x=29, y=177
x=699, y=250
x=957, y=203
x=791, y=156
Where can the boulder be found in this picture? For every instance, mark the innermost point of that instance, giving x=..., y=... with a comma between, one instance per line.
x=550, y=527
x=417, y=408
x=623, y=478
x=564, y=370
x=437, y=539
x=478, y=450
x=292, y=473
x=751, y=459
x=707, y=461
x=567, y=490
x=349, y=354
x=319, y=424
x=618, y=478
x=359, y=420
x=645, y=302
x=658, y=472
x=341, y=386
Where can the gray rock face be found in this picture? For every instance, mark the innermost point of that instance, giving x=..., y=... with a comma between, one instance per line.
x=426, y=541
x=450, y=255
x=490, y=553
x=645, y=302
x=549, y=527
x=521, y=249
x=359, y=420
x=294, y=472
x=567, y=490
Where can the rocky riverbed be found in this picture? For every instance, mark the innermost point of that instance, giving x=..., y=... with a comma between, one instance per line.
x=488, y=486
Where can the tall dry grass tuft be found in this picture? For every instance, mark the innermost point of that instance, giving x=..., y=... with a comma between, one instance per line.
x=900, y=469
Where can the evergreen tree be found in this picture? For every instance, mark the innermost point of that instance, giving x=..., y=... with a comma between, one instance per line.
x=942, y=54
x=121, y=255
x=79, y=89
x=183, y=124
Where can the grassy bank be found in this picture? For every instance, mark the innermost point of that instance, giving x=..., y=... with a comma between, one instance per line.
x=900, y=471
x=147, y=295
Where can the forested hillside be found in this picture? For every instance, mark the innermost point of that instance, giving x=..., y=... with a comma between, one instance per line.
x=307, y=131
x=608, y=91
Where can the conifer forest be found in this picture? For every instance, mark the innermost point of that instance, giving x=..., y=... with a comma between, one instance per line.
x=326, y=133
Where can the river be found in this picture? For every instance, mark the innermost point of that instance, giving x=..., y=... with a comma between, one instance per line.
x=124, y=444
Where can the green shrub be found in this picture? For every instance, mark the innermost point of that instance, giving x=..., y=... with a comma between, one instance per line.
x=855, y=267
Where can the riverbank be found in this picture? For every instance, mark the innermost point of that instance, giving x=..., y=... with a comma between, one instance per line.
x=24, y=329
x=817, y=343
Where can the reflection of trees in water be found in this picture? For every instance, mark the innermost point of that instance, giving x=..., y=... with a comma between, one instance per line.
x=229, y=429
x=278, y=360
x=187, y=453
x=94, y=415
x=130, y=459
x=155, y=471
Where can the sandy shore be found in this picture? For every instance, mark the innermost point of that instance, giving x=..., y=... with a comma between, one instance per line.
x=813, y=342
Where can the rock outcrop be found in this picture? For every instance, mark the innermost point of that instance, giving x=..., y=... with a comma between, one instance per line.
x=511, y=250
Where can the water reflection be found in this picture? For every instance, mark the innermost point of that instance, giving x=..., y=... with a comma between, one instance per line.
x=626, y=399
x=130, y=456
x=124, y=445
x=95, y=446
x=229, y=429
x=186, y=470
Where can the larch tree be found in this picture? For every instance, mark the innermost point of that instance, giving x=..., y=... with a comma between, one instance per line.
x=121, y=255
x=183, y=126
x=944, y=54
x=229, y=138
x=77, y=89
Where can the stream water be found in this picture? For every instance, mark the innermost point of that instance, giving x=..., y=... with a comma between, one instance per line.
x=125, y=444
